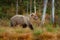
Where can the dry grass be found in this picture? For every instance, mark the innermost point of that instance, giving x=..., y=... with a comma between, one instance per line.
x=19, y=33
x=47, y=36
x=15, y=34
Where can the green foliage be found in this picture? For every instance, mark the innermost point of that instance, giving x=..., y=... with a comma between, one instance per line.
x=38, y=31
x=0, y=9
x=49, y=29
x=6, y=4
x=3, y=15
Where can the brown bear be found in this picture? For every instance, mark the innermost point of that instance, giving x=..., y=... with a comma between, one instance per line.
x=23, y=20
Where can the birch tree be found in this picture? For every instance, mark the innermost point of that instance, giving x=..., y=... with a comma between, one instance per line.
x=35, y=6
x=44, y=12
x=53, y=10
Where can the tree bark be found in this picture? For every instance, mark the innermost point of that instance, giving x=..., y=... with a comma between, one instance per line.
x=44, y=12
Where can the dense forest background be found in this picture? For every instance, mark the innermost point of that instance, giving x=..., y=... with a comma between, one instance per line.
x=8, y=7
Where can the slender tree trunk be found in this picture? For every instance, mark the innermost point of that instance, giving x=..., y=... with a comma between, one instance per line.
x=39, y=6
x=53, y=18
x=27, y=7
x=44, y=12
x=16, y=6
x=35, y=6
x=30, y=6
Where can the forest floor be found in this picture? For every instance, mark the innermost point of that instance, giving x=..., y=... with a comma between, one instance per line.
x=18, y=33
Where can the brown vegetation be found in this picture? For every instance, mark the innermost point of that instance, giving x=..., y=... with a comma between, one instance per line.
x=18, y=33
x=47, y=36
x=26, y=34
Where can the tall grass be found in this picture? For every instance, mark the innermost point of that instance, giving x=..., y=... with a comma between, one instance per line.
x=48, y=29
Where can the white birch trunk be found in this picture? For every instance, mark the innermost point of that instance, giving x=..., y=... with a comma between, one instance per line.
x=53, y=9
x=35, y=6
x=44, y=11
